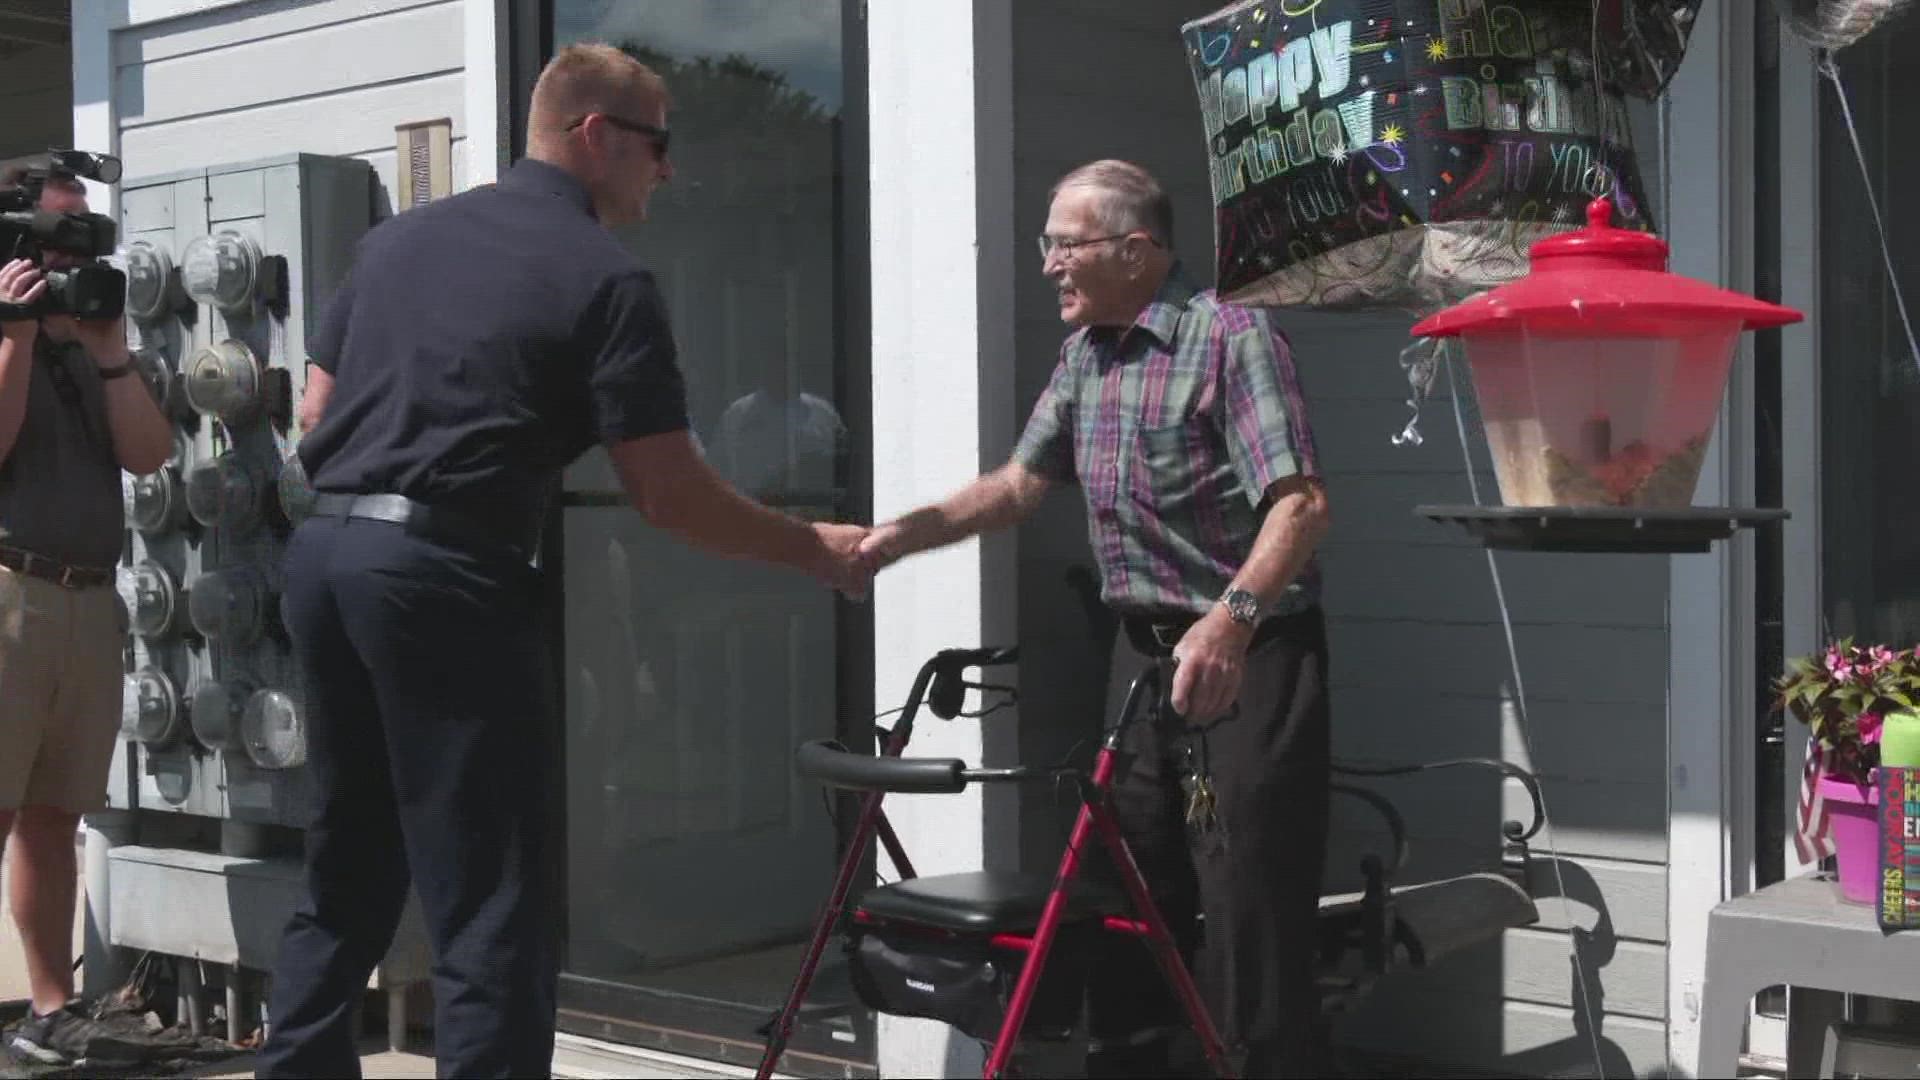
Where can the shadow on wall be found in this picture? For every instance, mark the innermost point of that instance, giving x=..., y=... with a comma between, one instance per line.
x=1468, y=991
x=1593, y=949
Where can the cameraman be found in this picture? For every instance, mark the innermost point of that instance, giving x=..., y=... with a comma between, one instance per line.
x=70, y=420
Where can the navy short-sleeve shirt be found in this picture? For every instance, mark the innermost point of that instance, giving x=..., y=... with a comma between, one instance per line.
x=482, y=342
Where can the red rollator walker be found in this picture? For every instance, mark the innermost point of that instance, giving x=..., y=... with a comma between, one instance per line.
x=997, y=955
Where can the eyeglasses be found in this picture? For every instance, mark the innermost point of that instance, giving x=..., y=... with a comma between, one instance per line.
x=661, y=136
x=1066, y=247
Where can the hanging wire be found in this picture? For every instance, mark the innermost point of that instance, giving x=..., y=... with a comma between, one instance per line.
x=1583, y=995
x=1823, y=62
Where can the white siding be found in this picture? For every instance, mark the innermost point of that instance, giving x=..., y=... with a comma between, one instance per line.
x=36, y=100
x=935, y=244
x=1419, y=660
x=252, y=80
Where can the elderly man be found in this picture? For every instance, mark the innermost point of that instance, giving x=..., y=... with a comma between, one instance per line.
x=480, y=344
x=1183, y=422
x=70, y=420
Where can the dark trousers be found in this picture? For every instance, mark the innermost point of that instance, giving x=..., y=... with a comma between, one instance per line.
x=1255, y=874
x=432, y=758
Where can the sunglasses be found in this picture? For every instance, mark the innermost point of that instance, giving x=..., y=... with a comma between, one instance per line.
x=661, y=136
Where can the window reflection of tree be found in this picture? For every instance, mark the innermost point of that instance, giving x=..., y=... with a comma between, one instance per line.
x=750, y=222
x=725, y=665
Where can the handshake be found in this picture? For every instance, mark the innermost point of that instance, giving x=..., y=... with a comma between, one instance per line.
x=850, y=555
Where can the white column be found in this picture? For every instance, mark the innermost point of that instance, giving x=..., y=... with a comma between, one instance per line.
x=940, y=173
x=1711, y=701
x=487, y=59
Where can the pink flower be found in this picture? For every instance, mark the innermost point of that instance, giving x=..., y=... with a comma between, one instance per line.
x=1834, y=660
x=1880, y=656
x=1869, y=725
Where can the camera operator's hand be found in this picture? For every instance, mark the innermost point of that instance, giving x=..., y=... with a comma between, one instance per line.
x=104, y=339
x=20, y=283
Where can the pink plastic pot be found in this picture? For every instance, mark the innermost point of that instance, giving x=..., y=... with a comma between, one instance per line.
x=1856, y=836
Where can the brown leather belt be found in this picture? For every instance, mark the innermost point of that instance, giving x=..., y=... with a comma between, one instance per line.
x=67, y=577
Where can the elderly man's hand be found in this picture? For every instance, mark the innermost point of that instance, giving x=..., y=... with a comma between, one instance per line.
x=842, y=565
x=1210, y=661
x=882, y=547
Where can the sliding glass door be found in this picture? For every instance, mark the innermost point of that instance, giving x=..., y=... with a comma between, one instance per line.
x=696, y=859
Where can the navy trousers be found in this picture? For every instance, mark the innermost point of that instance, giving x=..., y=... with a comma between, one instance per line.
x=433, y=759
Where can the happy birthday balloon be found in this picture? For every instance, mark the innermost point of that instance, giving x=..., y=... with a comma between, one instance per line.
x=1406, y=153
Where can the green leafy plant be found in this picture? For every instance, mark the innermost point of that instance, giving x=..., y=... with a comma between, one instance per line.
x=1844, y=694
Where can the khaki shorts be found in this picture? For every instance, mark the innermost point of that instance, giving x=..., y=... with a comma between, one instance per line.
x=60, y=679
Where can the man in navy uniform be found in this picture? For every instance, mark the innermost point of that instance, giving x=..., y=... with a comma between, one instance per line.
x=479, y=345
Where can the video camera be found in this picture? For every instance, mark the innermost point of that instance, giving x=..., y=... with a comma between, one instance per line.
x=90, y=290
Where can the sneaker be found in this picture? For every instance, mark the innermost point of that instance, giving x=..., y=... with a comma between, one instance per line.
x=67, y=1037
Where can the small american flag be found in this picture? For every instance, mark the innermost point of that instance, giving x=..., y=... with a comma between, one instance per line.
x=1812, y=839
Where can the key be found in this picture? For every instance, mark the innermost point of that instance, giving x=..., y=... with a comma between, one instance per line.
x=1200, y=803
x=1198, y=786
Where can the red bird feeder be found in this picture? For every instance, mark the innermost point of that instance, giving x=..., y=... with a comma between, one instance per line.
x=1599, y=375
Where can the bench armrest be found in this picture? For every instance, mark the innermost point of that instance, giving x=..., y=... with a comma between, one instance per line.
x=1517, y=833
x=1396, y=823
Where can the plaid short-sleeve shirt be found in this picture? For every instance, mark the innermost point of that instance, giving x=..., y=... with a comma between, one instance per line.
x=1174, y=428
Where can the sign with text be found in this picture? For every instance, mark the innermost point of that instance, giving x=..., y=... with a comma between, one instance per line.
x=1401, y=153
x=1899, y=847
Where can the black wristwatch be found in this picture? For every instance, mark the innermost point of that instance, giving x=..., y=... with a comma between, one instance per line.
x=1242, y=606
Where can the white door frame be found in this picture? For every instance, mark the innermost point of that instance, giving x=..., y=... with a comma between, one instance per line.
x=489, y=56
x=1711, y=701
x=942, y=253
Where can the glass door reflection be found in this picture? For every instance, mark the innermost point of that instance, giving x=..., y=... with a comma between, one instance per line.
x=696, y=860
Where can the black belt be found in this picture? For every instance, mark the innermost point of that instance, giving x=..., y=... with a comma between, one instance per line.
x=1158, y=636
x=425, y=520
x=67, y=577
